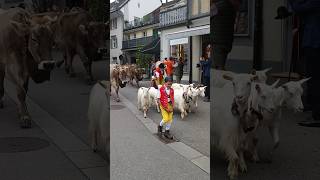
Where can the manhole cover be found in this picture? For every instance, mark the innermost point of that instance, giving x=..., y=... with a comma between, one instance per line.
x=21, y=144
x=166, y=140
x=116, y=107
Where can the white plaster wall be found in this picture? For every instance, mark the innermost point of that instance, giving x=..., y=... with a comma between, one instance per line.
x=119, y=33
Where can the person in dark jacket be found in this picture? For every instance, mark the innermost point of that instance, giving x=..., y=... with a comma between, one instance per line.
x=309, y=12
x=179, y=70
x=206, y=64
x=222, y=29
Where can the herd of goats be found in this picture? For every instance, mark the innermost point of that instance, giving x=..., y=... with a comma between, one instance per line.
x=241, y=104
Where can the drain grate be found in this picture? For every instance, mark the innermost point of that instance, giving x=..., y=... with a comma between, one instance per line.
x=21, y=144
x=116, y=107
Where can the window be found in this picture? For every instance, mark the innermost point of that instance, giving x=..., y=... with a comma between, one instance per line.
x=114, y=23
x=114, y=60
x=145, y=34
x=195, y=7
x=200, y=7
x=134, y=36
x=114, y=42
x=205, y=6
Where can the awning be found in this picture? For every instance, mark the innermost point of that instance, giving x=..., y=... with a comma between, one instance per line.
x=195, y=31
x=152, y=48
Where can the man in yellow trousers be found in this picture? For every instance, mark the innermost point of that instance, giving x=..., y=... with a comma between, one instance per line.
x=166, y=101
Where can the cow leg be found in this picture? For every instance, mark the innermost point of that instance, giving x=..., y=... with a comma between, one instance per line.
x=72, y=73
x=18, y=75
x=69, y=56
x=2, y=74
x=117, y=92
x=94, y=141
x=137, y=81
x=87, y=63
x=242, y=162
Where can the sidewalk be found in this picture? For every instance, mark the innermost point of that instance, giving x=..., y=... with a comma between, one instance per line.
x=61, y=154
x=137, y=153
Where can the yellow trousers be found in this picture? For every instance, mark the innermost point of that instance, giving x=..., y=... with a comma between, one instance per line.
x=166, y=116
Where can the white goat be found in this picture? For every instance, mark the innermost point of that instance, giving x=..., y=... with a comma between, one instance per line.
x=98, y=115
x=288, y=95
x=219, y=80
x=153, y=95
x=144, y=100
x=229, y=130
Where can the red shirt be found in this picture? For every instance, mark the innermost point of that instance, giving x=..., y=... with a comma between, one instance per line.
x=164, y=96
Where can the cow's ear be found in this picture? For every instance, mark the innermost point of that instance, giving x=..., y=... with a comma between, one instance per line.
x=83, y=29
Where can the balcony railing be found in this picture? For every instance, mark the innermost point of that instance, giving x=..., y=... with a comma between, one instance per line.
x=134, y=43
x=139, y=22
x=173, y=16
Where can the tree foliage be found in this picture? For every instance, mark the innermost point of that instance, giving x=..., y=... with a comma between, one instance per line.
x=143, y=60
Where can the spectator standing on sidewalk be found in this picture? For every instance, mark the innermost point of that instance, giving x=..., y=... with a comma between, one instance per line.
x=309, y=12
x=206, y=64
x=179, y=70
x=166, y=101
x=170, y=65
x=222, y=28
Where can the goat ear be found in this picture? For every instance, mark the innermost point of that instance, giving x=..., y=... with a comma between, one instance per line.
x=227, y=77
x=254, y=78
x=275, y=83
x=253, y=72
x=304, y=80
x=258, y=88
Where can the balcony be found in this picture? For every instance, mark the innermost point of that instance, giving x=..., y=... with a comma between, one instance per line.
x=173, y=16
x=140, y=22
x=135, y=43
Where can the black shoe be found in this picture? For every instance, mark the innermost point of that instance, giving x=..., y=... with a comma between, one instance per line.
x=168, y=135
x=159, y=130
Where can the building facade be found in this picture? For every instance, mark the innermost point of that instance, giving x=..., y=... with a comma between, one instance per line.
x=139, y=33
x=276, y=38
x=184, y=30
x=116, y=34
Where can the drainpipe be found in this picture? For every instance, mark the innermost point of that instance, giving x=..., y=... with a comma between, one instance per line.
x=257, y=38
x=190, y=60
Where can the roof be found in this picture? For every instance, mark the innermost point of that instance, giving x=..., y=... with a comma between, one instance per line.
x=117, y=4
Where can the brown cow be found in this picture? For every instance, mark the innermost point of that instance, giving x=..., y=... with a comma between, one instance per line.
x=136, y=73
x=25, y=51
x=79, y=34
x=118, y=78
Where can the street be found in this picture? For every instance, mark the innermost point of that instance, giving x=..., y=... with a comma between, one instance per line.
x=193, y=130
x=297, y=157
x=59, y=112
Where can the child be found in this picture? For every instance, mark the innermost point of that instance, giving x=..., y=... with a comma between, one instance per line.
x=159, y=73
x=166, y=101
